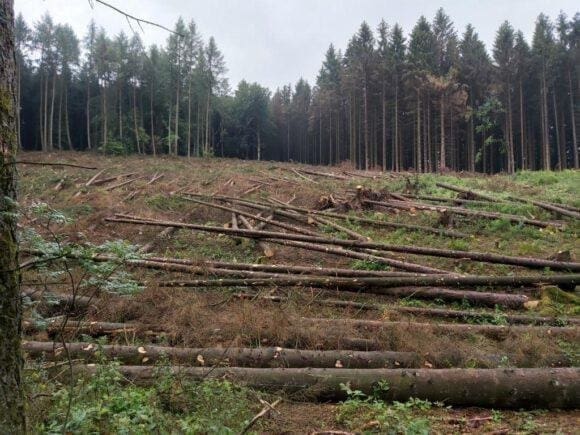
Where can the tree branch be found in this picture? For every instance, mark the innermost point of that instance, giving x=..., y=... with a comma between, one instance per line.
x=134, y=18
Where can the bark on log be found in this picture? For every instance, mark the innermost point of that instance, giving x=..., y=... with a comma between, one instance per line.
x=372, y=222
x=512, y=319
x=489, y=388
x=385, y=282
x=536, y=263
x=491, y=331
x=471, y=193
x=94, y=177
x=116, y=177
x=466, y=212
x=124, y=183
x=555, y=209
x=514, y=301
x=237, y=357
x=283, y=225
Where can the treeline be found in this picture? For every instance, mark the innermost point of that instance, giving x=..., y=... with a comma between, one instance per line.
x=431, y=101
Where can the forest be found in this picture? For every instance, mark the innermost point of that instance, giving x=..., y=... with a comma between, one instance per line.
x=434, y=100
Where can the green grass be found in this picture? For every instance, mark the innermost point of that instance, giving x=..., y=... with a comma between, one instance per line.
x=103, y=403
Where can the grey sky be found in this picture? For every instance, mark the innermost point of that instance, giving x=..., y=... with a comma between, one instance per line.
x=275, y=42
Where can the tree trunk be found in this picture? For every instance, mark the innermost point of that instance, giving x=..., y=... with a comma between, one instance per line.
x=366, y=124
x=88, y=110
x=66, y=120
x=105, y=131
x=523, y=159
x=151, y=115
x=554, y=388
x=266, y=357
x=12, y=419
x=417, y=163
x=51, y=124
x=19, y=102
x=442, y=164
x=120, y=98
x=189, y=119
x=59, y=132
x=545, y=133
x=510, y=136
x=135, y=126
x=573, y=121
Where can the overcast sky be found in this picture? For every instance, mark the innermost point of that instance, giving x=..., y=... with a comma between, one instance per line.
x=275, y=42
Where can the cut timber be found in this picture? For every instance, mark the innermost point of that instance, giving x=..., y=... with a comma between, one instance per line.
x=477, y=316
x=116, y=177
x=353, y=234
x=491, y=331
x=529, y=262
x=386, y=282
x=283, y=225
x=555, y=209
x=324, y=174
x=94, y=177
x=489, y=388
x=468, y=192
x=233, y=356
x=383, y=224
x=124, y=183
x=303, y=176
x=466, y=212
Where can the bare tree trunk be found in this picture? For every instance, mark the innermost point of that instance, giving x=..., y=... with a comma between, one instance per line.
x=45, y=129
x=545, y=134
x=176, y=143
x=19, y=103
x=510, y=137
x=366, y=125
x=41, y=113
x=206, y=147
x=12, y=420
x=559, y=152
x=120, y=97
x=66, y=120
x=259, y=142
x=523, y=159
x=417, y=153
x=573, y=120
x=189, y=119
x=59, y=132
x=105, y=131
x=151, y=114
x=135, y=126
x=442, y=163
x=384, y=156
x=396, y=151
x=88, y=110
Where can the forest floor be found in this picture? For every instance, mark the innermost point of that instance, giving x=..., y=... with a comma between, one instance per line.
x=214, y=317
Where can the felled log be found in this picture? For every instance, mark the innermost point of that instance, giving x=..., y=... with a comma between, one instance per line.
x=492, y=331
x=116, y=177
x=470, y=193
x=439, y=313
x=234, y=356
x=489, y=388
x=555, y=209
x=283, y=225
x=466, y=212
x=372, y=222
x=385, y=282
x=94, y=177
x=418, y=250
x=124, y=183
